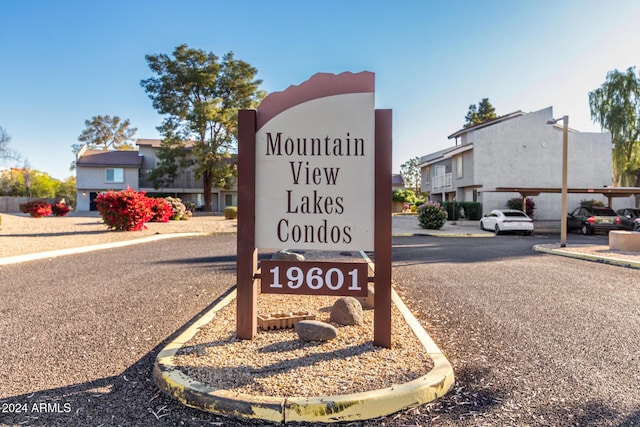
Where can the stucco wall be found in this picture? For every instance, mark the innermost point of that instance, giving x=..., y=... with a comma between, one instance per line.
x=148, y=157
x=467, y=178
x=425, y=179
x=94, y=178
x=526, y=151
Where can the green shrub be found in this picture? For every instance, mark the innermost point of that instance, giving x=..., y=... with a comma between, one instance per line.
x=453, y=209
x=403, y=196
x=190, y=206
x=516, y=203
x=431, y=216
x=592, y=202
x=231, y=212
x=472, y=210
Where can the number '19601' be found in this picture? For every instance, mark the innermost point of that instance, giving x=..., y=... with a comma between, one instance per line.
x=314, y=278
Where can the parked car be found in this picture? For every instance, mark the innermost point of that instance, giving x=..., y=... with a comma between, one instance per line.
x=591, y=219
x=507, y=220
x=629, y=218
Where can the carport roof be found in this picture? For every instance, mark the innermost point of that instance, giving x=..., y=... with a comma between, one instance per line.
x=535, y=191
x=608, y=192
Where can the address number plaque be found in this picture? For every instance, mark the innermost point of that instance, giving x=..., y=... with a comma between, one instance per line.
x=314, y=278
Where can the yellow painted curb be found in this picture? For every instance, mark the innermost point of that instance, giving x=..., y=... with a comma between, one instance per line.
x=198, y=395
x=349, y=407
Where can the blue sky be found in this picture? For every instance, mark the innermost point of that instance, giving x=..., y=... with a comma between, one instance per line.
x=66, y=61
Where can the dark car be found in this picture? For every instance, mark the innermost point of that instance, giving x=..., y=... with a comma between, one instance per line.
x=590, y=219
x=629, y=218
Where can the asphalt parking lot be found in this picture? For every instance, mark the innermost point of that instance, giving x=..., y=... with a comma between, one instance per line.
x=535, y=339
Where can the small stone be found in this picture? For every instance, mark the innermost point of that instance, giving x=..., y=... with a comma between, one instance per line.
x=313, y=330
x=285, y=255
x=367, y=302
x=346, y=311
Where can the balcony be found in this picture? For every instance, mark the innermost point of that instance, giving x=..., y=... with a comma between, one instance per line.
x=442, y=183
x=182, y=182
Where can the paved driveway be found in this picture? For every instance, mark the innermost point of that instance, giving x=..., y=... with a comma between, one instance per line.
x=535, y=339
x=78, y=334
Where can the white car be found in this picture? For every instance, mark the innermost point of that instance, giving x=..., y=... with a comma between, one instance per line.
x=507, y=220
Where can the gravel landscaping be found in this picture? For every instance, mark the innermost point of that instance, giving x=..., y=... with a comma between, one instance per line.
x=278, y=364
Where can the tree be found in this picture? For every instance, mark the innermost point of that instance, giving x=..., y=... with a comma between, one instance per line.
x=411, y=173
x=42, y=185
x=104, y=133
x=28, y=183
x=171, y=156
x=7, y=154
x=616, y=107
x=200, y=95
x=67, y=190
x=481, y=113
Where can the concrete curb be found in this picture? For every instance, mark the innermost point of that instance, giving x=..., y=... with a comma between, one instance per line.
x=61, y=252
x=554, y=249
x=349, y=407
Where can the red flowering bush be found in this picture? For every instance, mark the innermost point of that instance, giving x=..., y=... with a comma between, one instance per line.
x=60, y=209
x=162, y=210
x=125, y=210
x=36, y=208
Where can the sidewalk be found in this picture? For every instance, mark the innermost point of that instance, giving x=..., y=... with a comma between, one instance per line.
x=407, y=225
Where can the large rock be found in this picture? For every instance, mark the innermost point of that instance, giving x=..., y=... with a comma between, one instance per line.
x=346, y=311
x=368, y=301
x=313, y=330
x=285, y=255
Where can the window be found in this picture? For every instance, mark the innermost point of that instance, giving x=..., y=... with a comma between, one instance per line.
x=228, y=199
x=458, y=166
x=115, y=175
x=426, y=175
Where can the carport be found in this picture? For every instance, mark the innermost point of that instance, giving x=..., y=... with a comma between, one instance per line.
x=608, y=192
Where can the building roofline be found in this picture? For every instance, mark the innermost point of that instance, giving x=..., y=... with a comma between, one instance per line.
x=487, y=123
x=446, y=154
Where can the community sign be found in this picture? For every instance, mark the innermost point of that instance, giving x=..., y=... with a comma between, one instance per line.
x=315, y=165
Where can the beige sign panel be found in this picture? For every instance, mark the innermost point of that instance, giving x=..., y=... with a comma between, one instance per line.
x=315, y=175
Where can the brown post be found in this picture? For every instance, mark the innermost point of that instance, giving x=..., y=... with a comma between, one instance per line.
x=382, y=244
x=247, y=254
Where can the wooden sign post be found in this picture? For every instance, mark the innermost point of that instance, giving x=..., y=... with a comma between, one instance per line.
x=314, y=172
